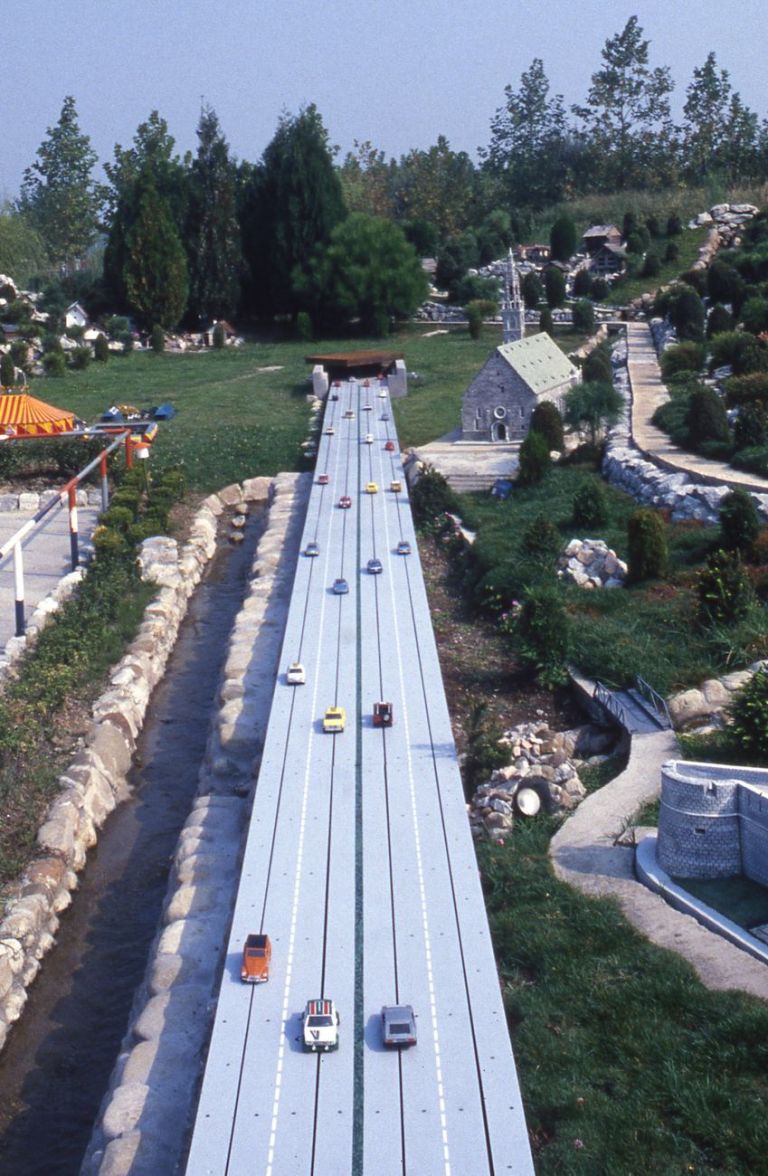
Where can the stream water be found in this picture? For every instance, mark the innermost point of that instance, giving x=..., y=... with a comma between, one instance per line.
x=56, y=1065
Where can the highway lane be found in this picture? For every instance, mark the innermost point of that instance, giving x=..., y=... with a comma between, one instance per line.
x=359, y=865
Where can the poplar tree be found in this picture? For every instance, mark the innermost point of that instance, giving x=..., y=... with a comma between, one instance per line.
x=155, y=272
x=528, y=140
x=59, y=196
x=213, y=231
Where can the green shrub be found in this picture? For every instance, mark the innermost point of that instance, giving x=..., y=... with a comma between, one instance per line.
x=531, y=290
x=597, y=366
x=541, y=537
x=219, y=336
x=672, y=252
x=741, y=350
x=749, y=431
x=687, y=315
x=723, y=590
x=719, y=320
x=582, y=284
x=483, y=752
x=749, y=716
x=747, y=389
x=590, y=504
x=80, y=358
x=546, y=419
x=674, y=225
x=534, y=459
x=554, y=286
x=101, y=349
x=117, y=326
x=651, y=265
x=117, y=517
x=599, y=289
x=707, y=420
x=7, y=370
x=682, y=357
x=54, y=364
x=546, y=322
x=754, y=314
x=303, y=326
x=431, y=497
x=157, y=339
x=108, y=542
x=647, y=550
x=754, y=460
x=474, y=320
x=542, y=637
x=739, y=523
x=583, y=315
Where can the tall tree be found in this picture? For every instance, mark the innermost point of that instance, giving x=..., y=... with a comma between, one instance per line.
x=292, y=203
x=627, y=116
x=366, y=180
x=529, y=139
x=213, y=233
x=436, y=186
x=153, y=153
x=155, y=273
x=59, y=196
x=705, y=112
x=22, y=250
x=369, y=272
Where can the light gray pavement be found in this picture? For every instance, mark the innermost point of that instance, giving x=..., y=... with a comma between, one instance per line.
x=45, y=556
x=584, y=853
x=648, y=393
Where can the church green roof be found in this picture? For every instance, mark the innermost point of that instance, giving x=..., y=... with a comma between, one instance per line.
x=539, y=361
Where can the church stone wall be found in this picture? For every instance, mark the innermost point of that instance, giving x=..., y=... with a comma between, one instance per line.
x=496, y=396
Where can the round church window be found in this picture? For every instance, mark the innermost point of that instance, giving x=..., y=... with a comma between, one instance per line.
x=500, y=412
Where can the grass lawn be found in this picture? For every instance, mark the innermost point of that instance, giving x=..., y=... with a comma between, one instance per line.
x=647, y=629
x=742, y=901
x=689, y=242
x=628, y=1065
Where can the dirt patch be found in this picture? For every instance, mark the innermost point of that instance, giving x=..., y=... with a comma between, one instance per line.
x=477, y=664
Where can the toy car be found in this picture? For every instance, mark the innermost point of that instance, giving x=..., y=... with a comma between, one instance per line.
x=372, y=488
x=334, y=719
x=322, y=479
x=345, y=502
x=312, y=548
x=375, y=566
x=382, y=714
x=390, y=446
x=296, y=675
x=367, y=407
x=329, y=430
x=403, y=547
x=320, y=1026
x=396, y=485
x=398, y=1025
x=385, y=416
x=257, y=954
x=369, y=438
x=382, y=392
x=349, y=415
x=340, y=586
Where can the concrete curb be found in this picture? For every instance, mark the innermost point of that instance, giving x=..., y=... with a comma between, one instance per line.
x=144, y=1117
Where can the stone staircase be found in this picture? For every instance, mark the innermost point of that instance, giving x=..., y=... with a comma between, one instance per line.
x=469, y=466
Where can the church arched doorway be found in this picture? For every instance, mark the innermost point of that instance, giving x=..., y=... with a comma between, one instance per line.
x=499, y=431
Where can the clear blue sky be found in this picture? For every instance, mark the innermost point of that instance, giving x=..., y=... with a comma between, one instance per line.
x=399, y=72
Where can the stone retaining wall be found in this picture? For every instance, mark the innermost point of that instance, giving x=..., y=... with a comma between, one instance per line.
x=145, y=1115
x=96, y=780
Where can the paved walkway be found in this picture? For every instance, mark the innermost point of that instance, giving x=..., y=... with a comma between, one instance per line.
x=46, y=558
x=648, y=393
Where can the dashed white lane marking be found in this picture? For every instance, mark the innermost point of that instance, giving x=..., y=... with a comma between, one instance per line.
x=297, y=883
x=422, y=896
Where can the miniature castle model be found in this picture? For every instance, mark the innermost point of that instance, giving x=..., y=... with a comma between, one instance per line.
x=713, y=821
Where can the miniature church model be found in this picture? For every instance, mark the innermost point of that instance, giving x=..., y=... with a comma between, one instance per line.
x=498, y=404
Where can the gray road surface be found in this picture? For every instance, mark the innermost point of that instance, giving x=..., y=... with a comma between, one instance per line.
x=360, y=867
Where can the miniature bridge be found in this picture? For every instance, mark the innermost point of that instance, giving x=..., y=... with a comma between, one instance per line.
x=360, y=867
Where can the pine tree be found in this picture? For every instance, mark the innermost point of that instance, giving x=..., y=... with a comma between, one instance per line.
x=155, y=272
x=58, y=195
x=213, y=233
x=291, y=204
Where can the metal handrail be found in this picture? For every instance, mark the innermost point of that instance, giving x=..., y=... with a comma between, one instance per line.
x=608, y=700
x=654, y=698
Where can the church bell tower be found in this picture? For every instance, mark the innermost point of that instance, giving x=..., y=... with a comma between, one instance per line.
x=512, y=309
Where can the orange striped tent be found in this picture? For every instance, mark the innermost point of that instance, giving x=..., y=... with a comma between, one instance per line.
x=22, y=415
